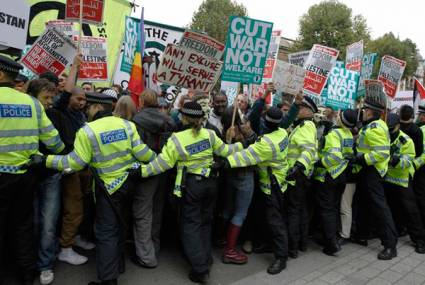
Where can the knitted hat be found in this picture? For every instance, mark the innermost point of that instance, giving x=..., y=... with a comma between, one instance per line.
x=407, y=114
x=349, y=118
x=192, y=109
x=9, y=65
x=98, y=98
x=112, y=93
x=309, y=103
x=392, y=121
x=274, y=115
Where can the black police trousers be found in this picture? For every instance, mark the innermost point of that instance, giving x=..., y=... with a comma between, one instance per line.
x=197, y=207
x=298, y=218
x=110, y=230
x=373, y=210
x=419, y=189
x=328, y=197
x=402, y=202
x=276, y=218
x=17, y=221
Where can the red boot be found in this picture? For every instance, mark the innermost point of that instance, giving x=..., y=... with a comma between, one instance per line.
x=231, y=255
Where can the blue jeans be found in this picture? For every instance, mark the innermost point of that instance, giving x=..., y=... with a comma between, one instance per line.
x=47, y=210
x=238, y=195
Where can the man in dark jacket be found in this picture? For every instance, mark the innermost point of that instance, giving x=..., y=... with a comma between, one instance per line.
x=408, y=126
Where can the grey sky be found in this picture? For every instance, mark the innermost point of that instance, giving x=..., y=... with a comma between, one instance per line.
x=404, y=18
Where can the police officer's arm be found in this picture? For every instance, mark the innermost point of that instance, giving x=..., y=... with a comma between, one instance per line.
x=168, y=157
x=140, y=150
x=407, y=155
x=48, y=133
x=222, y=149
x=289, y=118
x=307, y=142
x=378, y=141
x=75, y=160
x=254, y=154
x=332, y=152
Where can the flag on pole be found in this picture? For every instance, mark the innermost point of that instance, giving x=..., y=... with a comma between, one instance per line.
x=136, y=82
x=418, y=88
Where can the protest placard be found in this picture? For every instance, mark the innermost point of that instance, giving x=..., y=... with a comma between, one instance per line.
x=298, y=58
x=202, y=43
x=341, y=93
x=52, y=51
x=288, y=77
x=188, y=68
x=375, y=93
x=231, y=90
x=354, y=56
x=246, y=50
x=368, y=63
x=390, y=73
x=92, y=11
x=318, y=65
x=257, y=91
x=95, y=64
x=271, y=56
x=131, y=39
x=14, y=20
x=67, y=28
x=402, y=98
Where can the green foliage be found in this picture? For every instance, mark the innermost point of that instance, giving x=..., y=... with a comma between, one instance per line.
x=332, y=24
x=212, y=17
x=389, y=44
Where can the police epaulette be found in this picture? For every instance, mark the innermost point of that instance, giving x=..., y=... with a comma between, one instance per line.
x=258, y=138
x=403, y=140
x=372, y=125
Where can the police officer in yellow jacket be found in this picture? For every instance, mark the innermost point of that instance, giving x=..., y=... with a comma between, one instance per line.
x=419, y=179
x=302, y=155
x=334, y=160
x=192, y=150
x=398, y=184
x=23, y=123
x=269, y=153
x=373, y=155
x=111, y=146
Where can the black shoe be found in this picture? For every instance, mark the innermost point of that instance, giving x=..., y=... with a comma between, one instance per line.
x=262, y=248
x=420, y=247
x=342, y=241
x=387, y=254
x=135, y=259
x=293, y=253
x=331, y=249
x=201, y=278
x=402, y=232
x=359, y=241
x=277, y=266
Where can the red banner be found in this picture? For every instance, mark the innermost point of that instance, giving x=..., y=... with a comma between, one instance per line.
x=92, y=11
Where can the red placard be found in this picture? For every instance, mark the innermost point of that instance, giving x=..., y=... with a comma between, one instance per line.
x=390, y=73
x=92, y=11
x=95, y=64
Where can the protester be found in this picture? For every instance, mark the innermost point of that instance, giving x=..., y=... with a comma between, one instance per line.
x=219, y=106
x=88, y=87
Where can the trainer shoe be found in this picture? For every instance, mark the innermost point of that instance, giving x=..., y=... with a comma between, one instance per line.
x=46, y=277
x=84, y=244
x=68, y=255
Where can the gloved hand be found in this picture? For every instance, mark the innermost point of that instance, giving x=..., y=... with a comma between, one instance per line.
x=319, y=164
x=37, y=162
x=220, y=163
x=135, y=174
x=249, y=139
x=395, y=159
x=295, y=172
x=360, y=160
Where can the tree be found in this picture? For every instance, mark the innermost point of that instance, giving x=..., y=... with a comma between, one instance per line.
x=389, y=44
x=212, y=17
x=332, y=24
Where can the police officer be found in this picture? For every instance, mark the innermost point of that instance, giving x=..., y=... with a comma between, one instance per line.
x=23, y=123
x=398, y=184
x=334, y=159
x=419, y=179
x=192, y=150
x=270, y=154
x=302, y=154
x=373, y=155
x=110, y=145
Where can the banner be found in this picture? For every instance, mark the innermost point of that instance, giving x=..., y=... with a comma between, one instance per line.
x=288, y=78
x=52, y=51
x=318, y=65
x=271, y=56
x=390, y=73
x=402, y=98
x=63, y=27
x=14, y=18
x=131, y=36
x=203, y=44
x=95, y=65
x=188, y=68
x=368, y=63
x=231, y=90
x=341, y=93
x=298, y=58
x=92, y=11
x=354, y=56
x=246, y=50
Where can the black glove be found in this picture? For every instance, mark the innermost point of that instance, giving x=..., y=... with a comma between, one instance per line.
x=135, y=174
x=360, y=160
x=249, y=140
x=395, y=159
x=37, y=162
x=295, y=172
x=318, y=164
x=220, y=163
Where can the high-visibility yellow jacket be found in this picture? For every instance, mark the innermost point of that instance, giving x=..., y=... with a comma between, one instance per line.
x=303, y=146
x=374, y=143
x=404, y=147
x=335, y=153
x=269, y=152
x=190, y=151
x=111, y=145
x=23, y=123
x=420, y=160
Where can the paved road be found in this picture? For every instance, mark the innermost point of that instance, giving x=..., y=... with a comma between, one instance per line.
x=355, y=265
